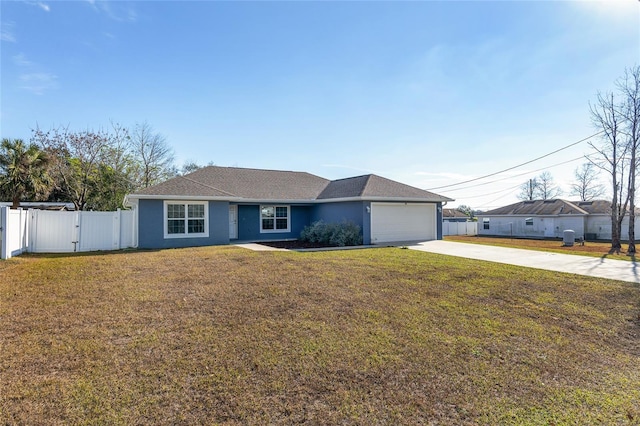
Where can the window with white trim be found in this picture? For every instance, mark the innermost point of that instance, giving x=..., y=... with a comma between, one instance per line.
x=186, y=219
x=528, y=221
x=485, y=223
x=275, y=219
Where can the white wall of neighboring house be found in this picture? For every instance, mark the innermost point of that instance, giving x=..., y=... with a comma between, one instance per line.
x=538, y=227
x=42, y=231
x=591, y=227
x=600, y=226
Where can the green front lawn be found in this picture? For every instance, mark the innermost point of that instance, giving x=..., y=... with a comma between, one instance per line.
x=222, y=335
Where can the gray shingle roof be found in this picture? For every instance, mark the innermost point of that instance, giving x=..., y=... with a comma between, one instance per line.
x=234, y=182
x=373, y=186
x=257, y=184
x=453, y=213
x=595, y=206
x=538, y=207
x=554, y=207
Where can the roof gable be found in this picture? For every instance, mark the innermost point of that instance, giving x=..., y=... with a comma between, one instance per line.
x=382, y=187
x=373, y=186
x=345, y=188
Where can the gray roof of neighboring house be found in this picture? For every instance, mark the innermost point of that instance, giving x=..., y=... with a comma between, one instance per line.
x=42, y=205
x=553, y=208
x=453, y=213
x=257, y=184
x=538, y=207
x=595, y=206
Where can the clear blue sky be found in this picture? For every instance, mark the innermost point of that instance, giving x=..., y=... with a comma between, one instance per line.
x=426, y=93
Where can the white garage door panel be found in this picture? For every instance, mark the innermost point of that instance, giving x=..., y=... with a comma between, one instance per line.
x=402, y=222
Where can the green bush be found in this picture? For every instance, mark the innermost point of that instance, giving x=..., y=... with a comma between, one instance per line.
x=332, y=234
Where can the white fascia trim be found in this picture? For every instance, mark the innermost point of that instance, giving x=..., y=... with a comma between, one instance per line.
x=129, y=199
x=176, y=198
x=277, y=201
x=131, y=203
x=229, y=199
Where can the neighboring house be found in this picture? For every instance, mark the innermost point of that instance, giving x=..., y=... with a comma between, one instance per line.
x=454, y=215
x=42, y=205
x=219, y=205
x=550, y=218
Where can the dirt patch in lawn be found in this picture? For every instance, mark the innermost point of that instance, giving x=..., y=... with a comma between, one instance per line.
x=589, y=248
x=294, y=244
x=224, y=335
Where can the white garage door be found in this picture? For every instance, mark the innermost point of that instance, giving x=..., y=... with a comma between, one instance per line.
x=402, y=222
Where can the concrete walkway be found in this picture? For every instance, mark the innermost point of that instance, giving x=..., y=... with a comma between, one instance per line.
x=582, y=265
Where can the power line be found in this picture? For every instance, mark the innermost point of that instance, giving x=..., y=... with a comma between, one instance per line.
x=521, y=174
x=493, y=201
x=493, y=193
x=519, y=165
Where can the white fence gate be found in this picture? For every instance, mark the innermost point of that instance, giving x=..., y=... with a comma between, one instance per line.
x=459, y=228
x=52, y=232
x=42, y=231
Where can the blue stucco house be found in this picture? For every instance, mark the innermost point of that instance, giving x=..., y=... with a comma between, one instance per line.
x=222, y=205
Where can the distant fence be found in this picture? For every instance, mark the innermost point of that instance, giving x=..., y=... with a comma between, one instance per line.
x=459, y=228
x=42, y=231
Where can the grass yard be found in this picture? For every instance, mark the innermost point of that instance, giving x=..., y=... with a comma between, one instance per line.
x=222, y=335
x=590, y=248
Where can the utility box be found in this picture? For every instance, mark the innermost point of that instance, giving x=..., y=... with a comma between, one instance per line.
x=568, y=238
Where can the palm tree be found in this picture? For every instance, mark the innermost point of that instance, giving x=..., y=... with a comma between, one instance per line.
x=23, y=170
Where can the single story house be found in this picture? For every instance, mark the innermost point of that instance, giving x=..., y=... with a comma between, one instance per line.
x=454, y=215
x=220, y=205
x=550, y=218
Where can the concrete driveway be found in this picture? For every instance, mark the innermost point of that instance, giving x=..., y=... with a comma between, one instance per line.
x=582, y=265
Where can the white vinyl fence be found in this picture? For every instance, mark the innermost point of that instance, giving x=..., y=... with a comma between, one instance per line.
x=14, y=232
x=42, y=231
x=459, y=228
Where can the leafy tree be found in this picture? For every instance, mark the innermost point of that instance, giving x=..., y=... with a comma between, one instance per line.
x=116, y=172
x=75, y=161
x=23, y=171
x=109, y=188
x=466, y=210
x=191, y=166
x=95, y=169
x=586, y=185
